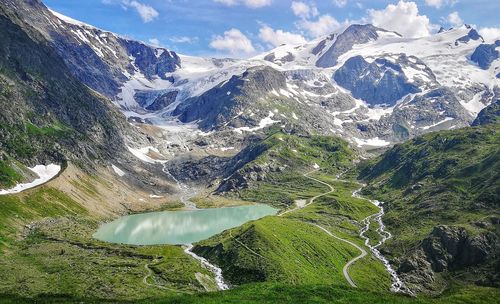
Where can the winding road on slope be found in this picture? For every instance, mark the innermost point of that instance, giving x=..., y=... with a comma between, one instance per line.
x=345, y=270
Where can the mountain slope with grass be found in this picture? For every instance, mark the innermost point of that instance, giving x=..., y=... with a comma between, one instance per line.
x=442, y=194
x=280, y=155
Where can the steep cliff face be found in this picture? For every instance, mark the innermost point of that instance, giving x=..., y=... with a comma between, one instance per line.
x=100, y=59
x=47, y=114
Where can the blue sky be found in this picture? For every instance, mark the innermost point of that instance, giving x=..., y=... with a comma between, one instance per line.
x=242, y=28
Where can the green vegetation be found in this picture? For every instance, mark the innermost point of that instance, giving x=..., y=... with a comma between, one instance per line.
x=279, y=293
x=8, y=175
x=296, y=152
x=47, y=249
x=280, y=250
x=448, y=177
x=289, y=249
x=445, y=178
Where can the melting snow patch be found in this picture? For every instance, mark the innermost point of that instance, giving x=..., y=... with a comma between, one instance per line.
x=118, y=171
x=474, y=106
x=374, y=142
x=294, y=116
x=141, y=154
x=45, y=173
x=226, y=148
x=155, y=196
x=316, y=166
x=437, y=123
x=262, y=124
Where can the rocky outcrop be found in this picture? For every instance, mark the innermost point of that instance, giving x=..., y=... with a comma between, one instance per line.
x=222, y=105
x=471, y=35
x=488, y=115
x=155, y=100
x=151, y=61
x=485, y=54
x=383, y=82
x=354, y=34
x=447, y=249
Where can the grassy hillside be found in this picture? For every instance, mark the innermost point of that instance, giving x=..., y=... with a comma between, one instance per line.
x=271, y=170
x=290, y=249
x=47, y=250
x=449, y=178
x=279, y=293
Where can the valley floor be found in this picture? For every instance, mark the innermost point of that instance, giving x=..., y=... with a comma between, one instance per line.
x=48, y=254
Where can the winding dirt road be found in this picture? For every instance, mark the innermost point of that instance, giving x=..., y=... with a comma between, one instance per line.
x=345, y=270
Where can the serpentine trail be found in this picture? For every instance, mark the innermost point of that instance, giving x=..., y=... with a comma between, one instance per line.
x=397, y=285
x=345, y=270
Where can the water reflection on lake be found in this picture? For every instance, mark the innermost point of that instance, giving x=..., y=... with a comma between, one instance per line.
x=178, y=227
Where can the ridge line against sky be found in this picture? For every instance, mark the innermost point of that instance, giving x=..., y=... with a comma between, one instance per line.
x=244, y=28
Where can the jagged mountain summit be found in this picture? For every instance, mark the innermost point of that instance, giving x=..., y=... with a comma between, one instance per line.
x=368, y=85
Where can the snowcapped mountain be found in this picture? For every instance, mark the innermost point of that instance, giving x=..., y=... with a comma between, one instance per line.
x=368, y=85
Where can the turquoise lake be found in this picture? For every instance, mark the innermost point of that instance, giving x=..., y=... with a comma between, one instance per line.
x=178, y=227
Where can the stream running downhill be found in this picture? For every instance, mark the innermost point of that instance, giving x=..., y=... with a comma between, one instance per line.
x=397, y=285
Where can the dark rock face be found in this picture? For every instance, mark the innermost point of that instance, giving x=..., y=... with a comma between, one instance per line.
x=86, y=126
x=321, y=45
x=354, y=34
x=488, y=115
x=151, y=61
x=472, y=35
x=159, y=101
x=379, y=82
x=221, y=104
x=97, y=58
x=485, y=54
x=447, y=248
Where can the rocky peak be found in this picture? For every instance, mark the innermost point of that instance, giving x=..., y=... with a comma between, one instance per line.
x=354, y=34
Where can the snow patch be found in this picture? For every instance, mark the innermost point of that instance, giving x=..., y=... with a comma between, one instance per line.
x=374, y=142
x=118, y=171
x=45, y=174
x=262, y=124
x=141, y=154
x=437, y=123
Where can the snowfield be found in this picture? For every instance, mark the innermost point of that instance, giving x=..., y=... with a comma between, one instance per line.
x=45, y=174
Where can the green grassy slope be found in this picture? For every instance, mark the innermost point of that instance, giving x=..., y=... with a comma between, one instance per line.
x=46, y=249
x=279, y=162
x=445, y=178
x=279, y=293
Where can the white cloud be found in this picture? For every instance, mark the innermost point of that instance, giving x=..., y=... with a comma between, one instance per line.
x=147, y=13
x=402, y=18
x=249, y=3
x=340, y=3
x=233, y=41
x=183, y=39
x=154, y=42
x=304, y=10
x=440, y=3
x=490, y=34
x=454, y=19
x=434, y=3
x=279, y=37
x=324, y=25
